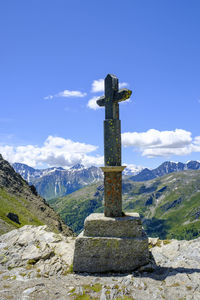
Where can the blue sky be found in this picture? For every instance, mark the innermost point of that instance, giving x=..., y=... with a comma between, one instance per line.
x=53, y=57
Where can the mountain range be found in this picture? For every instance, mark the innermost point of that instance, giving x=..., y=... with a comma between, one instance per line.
x=165, y=168
x=57, y=182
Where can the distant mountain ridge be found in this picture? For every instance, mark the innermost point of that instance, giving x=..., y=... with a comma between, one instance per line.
x=28, y=173
x=165, y=168
x=56, y=181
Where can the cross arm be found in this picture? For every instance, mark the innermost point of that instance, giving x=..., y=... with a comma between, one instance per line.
x=101, y=101
x=122, y=95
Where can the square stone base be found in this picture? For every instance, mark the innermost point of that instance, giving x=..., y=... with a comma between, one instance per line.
x=128, y=226
x=104, y=254
x=109, y=253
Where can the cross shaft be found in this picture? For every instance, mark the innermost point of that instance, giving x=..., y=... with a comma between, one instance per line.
x=112, y=146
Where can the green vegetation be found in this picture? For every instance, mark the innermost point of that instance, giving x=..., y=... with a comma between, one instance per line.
x=31, y=262
x=95, y=287
x=16, y=205
x=75, y=207
x=69, y=270
x=23, y=205
x=168, y=205
x=87, y=289
x=82, y=297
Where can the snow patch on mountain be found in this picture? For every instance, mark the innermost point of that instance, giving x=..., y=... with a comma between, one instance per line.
x=132, y=169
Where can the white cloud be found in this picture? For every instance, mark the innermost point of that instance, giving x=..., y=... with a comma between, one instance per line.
x=196, y=144
x=92, y=160
x=55, y=151
x=49, y=97
x=166, y=152
x=66, y=94
x=93, y=104
x=197, y=140
x=156, y=138
x=154, y=143
x=123, y=85
x=98, y=85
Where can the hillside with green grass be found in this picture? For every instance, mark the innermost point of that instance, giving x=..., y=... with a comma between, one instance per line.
x=168, y=205
x=21, y=205
x=75, y=207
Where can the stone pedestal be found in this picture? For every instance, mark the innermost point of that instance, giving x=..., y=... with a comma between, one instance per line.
x=113, y=190
x=111, y=244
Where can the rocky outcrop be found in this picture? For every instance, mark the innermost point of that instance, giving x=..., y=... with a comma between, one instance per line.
x=13, y=217
x=36, y=264
x=20, y=204
x=36, y=248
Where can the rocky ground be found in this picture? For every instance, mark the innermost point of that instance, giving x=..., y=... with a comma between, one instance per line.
x=37, y=264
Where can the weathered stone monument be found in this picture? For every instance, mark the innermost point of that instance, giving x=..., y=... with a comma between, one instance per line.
x=112, y=241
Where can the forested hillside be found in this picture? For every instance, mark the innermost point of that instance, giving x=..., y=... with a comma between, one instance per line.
x=169, y=205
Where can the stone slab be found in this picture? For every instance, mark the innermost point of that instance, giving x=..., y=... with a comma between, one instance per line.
x=97, y=225
x=105, y=254
x=113, y=168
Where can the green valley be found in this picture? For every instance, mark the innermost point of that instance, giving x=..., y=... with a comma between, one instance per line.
x=168, y=205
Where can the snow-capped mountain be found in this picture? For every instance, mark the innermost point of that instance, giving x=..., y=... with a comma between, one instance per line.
x=77, y=167
x=29, y=173
x=165, y=168
x=57, y=182
x=132, y=170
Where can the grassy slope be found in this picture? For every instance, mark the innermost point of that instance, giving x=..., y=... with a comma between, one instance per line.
x=75, y=207
x=17, y=197
x=17, y=205
x=169, y=206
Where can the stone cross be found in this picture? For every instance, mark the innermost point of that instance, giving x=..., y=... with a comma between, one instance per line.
x=112, y=146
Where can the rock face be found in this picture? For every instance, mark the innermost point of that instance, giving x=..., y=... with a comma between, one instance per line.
x=21, y=205
x=36, y=264
x=111, y=244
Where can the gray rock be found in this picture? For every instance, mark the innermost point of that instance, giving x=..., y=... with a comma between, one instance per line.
x=176, y=276
x=13, y=217
x=35, y=246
